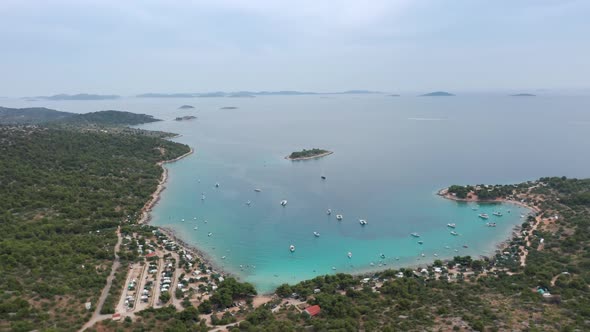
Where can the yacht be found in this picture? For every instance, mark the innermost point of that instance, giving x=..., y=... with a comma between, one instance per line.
x=382, y=256
x=217, y=185
x=491, y=224
x=196, y=227
x=292, y=248
x=362, y=222
x=420, y=242
x=316, y=234
x=203, y=197
x=339, y=216
x=248, y=203
x=209, y=234
x=329, y=212
x=451, y=225
x=182, y=220
x=284, y=202
x=349, y=254
x=483, y=216
x=222, y=257
x=415, y=235
x=454, y=233
x=497, y=214
x=257, y=190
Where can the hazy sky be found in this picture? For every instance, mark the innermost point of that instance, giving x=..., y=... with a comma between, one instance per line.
x=128, y=47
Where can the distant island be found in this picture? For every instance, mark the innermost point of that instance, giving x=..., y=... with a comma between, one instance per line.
x=228, y=108
x=437, y=94
x=184, y=118
x=393, y=95
x=249, y=94
x=80, y=96
x=186, y=107
x=308, y=154
x=241, y=95
x=41, y=115
x=523, y=95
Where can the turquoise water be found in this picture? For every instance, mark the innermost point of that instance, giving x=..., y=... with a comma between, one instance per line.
x=390, y=157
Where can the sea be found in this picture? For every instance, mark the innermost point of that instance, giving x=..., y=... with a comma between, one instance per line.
x=391, y=156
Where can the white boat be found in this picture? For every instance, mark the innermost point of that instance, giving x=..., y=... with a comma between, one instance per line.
x=349, y=254
x=284, y=202
x=362, y=222
x=222, y=257
x=454, y=233
x=217, y=185
x=205, y=221
x=248, y=203
x=196, y=227
x=257, y=190
x=339, y=217
x=292, y=248
x=182, y=220
x=483, y=216
x=382, y=256
x=316, y=234
x=329, y=212
x=491, y=224
x=451, y=225
x=202, y=197
x=209, y=234
x=415, y=235
x=497, y=214
x=420, y=242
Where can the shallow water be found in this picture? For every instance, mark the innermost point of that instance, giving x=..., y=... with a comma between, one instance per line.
x=390, y=157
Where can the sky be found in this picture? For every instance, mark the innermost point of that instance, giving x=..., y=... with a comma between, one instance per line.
x=130, y=47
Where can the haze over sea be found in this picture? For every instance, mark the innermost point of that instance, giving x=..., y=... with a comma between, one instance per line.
x=391, y=155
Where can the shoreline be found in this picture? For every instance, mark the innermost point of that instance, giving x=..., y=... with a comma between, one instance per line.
x=444, y=193
x=169, y=232
x=311, y=157
x=149, y=205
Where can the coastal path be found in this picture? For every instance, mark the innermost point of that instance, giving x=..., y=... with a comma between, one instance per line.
x=96, y=316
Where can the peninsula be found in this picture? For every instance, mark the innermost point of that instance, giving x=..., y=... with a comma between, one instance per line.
x=308, y=154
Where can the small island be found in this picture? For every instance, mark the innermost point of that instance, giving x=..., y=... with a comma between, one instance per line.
x=393, y=95
x=184, y=118
x=186, y=107
x=437, y=94
x=228, y=108
x=523, y=95
x=308, y=154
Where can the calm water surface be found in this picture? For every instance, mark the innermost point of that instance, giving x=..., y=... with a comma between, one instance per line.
x=390, y=157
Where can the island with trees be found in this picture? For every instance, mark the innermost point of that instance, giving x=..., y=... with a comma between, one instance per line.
x=308, y=154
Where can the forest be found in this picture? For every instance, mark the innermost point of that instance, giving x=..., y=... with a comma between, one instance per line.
x=64, y=191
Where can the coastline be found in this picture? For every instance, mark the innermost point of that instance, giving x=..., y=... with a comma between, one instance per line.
x=147, y=208
x=169, y=232
x=311, y=157
x=503, y=245
x=444, y=193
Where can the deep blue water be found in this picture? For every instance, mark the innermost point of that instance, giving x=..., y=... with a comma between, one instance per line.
x=390, y=157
